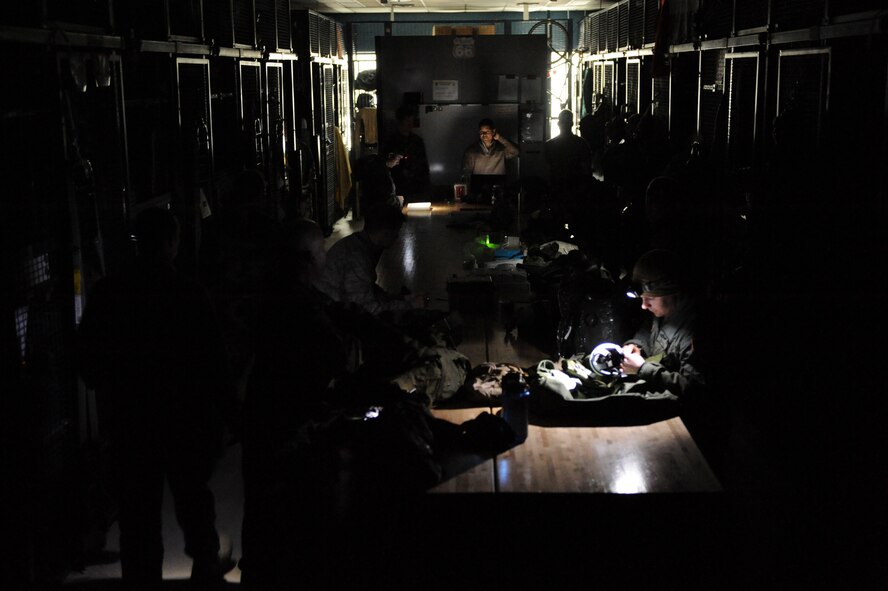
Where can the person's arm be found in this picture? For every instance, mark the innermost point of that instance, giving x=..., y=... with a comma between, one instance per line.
x=511, y=149
x=358, y=285
x=677, y=370
x=682, y=380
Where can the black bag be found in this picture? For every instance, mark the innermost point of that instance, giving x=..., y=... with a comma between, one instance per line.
x=390, y=449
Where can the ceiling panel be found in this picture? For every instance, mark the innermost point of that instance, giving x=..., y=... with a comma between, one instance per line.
x=407, y=7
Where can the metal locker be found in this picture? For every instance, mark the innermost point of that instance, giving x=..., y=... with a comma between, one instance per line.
x=716, y=19
x=623, y=25
x=710, y=118
x=787, y=15
x=38, y=302
x=660, y=98
x=803, y=87
x=323, y=89
x=683, y=96
x=250, y=103
x=633, y=86
x=78, y=14
x=751, y=15
x=276, y=125
x=612, y=18
x=636, y=23
x=742, y=75
x=196, y=144
x=651, y=9
x=160, y=20
x=594, y=21
x=244, y=15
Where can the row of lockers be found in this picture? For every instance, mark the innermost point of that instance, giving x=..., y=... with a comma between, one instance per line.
x=270, y=25
x=632, y=24
x=146, y=128
x=91, y=136
x=728, y=100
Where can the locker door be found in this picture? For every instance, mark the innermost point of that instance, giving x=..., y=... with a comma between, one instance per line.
x=251, y=114
x=633, y=86
x=683, y=97
x=803, y=87
x=276, y=125
x=742, y=71
x=244, y=16
x=329, y=154
x=195, y=201
x=603, y=82
x=710, y=113
x=323, y=89
x=37, y=313
x=226, y=115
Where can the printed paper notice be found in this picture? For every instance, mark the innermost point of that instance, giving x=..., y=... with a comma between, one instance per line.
x=445, y=90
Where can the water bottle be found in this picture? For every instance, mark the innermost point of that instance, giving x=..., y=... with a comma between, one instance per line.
x=515, y=400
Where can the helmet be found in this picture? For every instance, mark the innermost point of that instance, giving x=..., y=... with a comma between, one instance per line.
x=659, y=272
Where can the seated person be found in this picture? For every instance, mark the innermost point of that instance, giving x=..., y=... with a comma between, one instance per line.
x=488, y=155
x=350, y=275
x=663, y=354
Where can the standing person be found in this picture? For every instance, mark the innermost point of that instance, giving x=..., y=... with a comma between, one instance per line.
x=300, y=351
x=570, y=173
x=151, y=348
x=373, y=180
x=487, y=156
x=411, y=175
x=568, y=155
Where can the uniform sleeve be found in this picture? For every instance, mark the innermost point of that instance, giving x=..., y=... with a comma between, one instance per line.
x=641, y=339
x=355, y=282
x=678, y=372
x=360, y=288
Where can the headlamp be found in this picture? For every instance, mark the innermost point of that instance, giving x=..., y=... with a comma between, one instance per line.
x=661, y=287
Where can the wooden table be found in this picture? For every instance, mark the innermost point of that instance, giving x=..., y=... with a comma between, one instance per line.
x=657, y=458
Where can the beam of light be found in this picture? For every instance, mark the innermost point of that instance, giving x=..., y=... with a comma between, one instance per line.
x=630, y=479
x=409, y=239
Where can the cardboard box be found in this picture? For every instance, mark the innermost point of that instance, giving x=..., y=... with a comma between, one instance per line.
x=463, y=31
x=439, y=30
x=485, y=30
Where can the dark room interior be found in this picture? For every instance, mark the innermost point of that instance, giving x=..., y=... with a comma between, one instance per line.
x=420, y=294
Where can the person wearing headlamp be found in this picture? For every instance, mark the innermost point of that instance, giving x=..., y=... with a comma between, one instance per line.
x=662, y=355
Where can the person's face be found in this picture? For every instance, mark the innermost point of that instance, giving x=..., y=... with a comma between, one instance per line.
x=486, y=133
x=659, y=306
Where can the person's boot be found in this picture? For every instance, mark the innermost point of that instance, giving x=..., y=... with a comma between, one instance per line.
x=209, y=575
